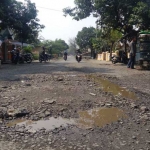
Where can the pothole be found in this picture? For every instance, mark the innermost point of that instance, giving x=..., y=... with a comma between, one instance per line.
x=87, y=119
x=99, y=117
x=113, y=88
x=50, y=124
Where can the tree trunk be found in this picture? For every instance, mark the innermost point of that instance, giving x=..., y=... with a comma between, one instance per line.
x=125, y=45
x=91, y=52
x=112, y=44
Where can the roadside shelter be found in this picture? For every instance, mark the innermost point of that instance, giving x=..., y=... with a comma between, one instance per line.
x=7, y=43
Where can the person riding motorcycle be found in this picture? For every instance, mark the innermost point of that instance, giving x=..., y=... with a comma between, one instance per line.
x=79, y=53
x=65, y=55
x=43, y=52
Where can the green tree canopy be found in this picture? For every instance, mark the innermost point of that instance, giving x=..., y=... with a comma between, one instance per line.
x=99, y=42
x=117, y=14
x=85, y=36
x=21, y=18
x=56, y=47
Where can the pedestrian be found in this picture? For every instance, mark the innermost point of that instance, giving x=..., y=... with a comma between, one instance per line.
x=132, y=45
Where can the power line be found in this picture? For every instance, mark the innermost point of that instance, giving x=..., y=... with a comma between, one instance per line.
x=50, y=9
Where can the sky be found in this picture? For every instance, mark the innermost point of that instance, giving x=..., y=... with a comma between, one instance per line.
x=56, y=25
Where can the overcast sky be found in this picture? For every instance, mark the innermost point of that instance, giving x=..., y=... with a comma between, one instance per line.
x=56, y=25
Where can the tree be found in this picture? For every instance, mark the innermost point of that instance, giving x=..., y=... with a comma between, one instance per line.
x=99, y=42
x=141, y=15
x=116, y=14
x=59, y=46
x=55, y=47
x=21, y=18
x=112, y=37
x=84, y=38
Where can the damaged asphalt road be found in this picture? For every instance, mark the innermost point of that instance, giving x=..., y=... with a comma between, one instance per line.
x=61, y=105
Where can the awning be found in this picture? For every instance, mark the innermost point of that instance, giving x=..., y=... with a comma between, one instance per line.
x=20, y=44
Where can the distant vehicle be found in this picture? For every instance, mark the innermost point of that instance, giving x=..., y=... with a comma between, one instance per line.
x=143, y=49
x=78, y=57
x=65, y=57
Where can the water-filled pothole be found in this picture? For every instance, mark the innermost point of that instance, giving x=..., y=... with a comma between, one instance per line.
x=92, y=118
x=113, y=88
x=50, y=124
x=99, y=117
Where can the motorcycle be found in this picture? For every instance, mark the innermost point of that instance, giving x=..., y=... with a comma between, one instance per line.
x=65, y=57
x=78, y=57
x=27, y=57
x=115, y=59
x=123, y=59
x=14, y=57
x=47, y=57
x=42, y=58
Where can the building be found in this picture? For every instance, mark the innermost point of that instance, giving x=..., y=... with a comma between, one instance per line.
x=7, y=43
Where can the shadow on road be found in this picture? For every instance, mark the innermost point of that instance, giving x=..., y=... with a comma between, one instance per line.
x=14, y=72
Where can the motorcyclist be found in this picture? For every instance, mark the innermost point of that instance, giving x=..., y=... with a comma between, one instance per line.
x=79, y=53
x=43, y=52
x=65, y=54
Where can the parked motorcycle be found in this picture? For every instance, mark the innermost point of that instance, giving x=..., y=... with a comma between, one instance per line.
x=122, y=59
x=115, y=59
x=78, y=57
x=14, y=56
x=27, y=57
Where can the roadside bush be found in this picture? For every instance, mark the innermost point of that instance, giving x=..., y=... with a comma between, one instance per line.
x=35, y=56
x=27, y=49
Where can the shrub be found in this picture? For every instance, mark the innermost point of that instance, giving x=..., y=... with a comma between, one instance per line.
x=27, y=49
x=35, y=56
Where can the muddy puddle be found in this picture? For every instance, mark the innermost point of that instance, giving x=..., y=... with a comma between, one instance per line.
x=87, y=119
x=99, y=117
x=113, y=88
x=50, y=124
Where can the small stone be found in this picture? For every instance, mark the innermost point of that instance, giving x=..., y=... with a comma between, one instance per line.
x=92, y=94
x=49, y=101
x=143, y=108
x=148, y=142
x=42, y=115
x=60, y=79
x=108, y=105
x=26, y=141
x=134, y=137
x=133, y=105
x=47, y=113
x=64, y=139
x=144, y=118
x=102, y=105
x=33, y=146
